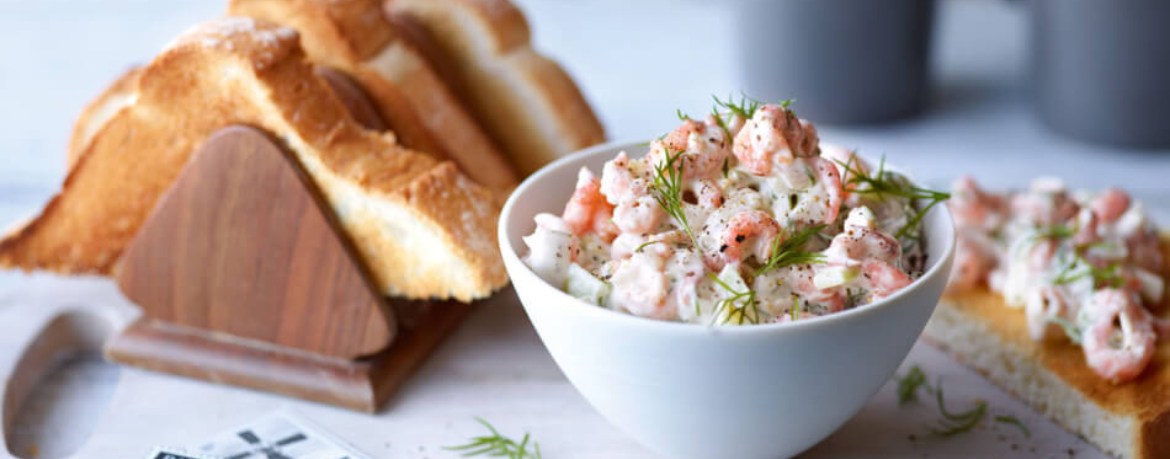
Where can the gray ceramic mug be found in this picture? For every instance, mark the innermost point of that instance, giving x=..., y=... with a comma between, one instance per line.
x=845, y=61
x=1101, y=69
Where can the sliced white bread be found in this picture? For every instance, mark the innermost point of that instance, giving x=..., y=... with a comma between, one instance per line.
x=423, y=229
x=120, y=94
x=356, y=38
x=526, y=101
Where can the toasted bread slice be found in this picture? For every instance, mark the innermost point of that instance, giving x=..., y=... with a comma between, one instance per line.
x=119, y=95
x=423, y=229
x=355, y=37
x=525, y=100
x=1128, y=420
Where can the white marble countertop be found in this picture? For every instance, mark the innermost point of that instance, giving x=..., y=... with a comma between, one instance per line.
x=58, y=54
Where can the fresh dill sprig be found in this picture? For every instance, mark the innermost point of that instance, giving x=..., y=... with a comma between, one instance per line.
x=1109, y=276
x=1015, y=422
x=745, y=108
x=681, y=116
x=786, y=251
x=908, y=385
x=1056, y=231
x=956, y=423
x=497, y=445
x=745, y=299
x=1071, y=330
x=667, y=186
x=726, y=133
x=882, y=184
x=648, y=243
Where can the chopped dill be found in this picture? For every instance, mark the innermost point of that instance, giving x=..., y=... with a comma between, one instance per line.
x=956, y=423
x=1015, y=422
x=1080, y=268
x=1056, y=231
x=855, y=297
x=496, y=445
x=786, y=250
x=885, y=183
x=1074, y=334
x=745, y=108
x=667, y=187
x=726, y=132
x=740, y=313
x=908, y=385
x=726, y=167
x=796, y=309
x=648, y=243
x=681, y=116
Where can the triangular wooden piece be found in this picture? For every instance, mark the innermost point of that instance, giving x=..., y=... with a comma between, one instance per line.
x=241, y=245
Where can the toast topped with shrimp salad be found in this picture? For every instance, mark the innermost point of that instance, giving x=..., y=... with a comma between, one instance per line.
x=1057, y=296
x=742, y=218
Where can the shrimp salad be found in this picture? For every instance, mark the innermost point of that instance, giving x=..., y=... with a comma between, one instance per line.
x=1079, y=264
x=741, y=218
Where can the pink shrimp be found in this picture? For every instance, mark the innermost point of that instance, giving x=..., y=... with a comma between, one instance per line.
x=588, y=211
x=832, y=299
x=830, y=183
x=618, y=182
x=973, y=207
x=821, y=201
x=1110, y=205
x=774, y=134
x=644, y=288
x=1044, y=204
x=861, y=243
x=847, y=162
x=648, y=299
x=884, y=279
x=1087, y=226
x=1041, y=255
x=972, y=265
x=1145, y=248
x=754, y=230
x=639, y=215
x=1042, y=306
x=640, y=285
x=703, y=146
x=634, y=209
x=710, y=194
x=1113, y=360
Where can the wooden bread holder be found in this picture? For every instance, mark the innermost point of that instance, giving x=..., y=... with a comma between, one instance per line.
x=245, y=278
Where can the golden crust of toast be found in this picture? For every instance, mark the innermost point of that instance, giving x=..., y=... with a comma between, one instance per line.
x=1145, y=401
x=527, y=102
x=118, y=95
x=422, y=228
x=355, y=37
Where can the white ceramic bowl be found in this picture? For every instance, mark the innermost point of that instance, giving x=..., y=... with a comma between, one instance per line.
x=692, y=391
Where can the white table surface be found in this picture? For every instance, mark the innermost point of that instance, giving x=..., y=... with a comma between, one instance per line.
x=57, y=54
